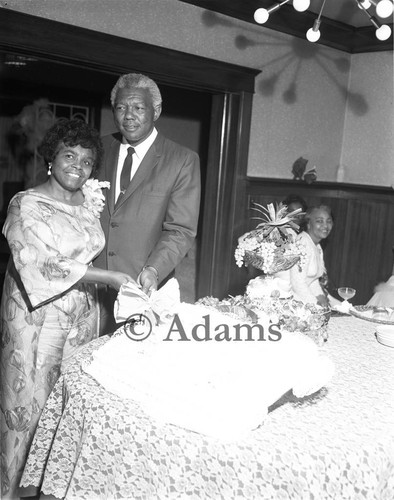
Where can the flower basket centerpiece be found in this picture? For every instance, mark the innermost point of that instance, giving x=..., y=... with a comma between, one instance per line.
x=290, y=315
x=272, y=246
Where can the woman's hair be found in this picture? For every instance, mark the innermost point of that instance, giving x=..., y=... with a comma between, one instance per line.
x=136, y=80
x=295, y=198
x=73, y=132
x=312, y=209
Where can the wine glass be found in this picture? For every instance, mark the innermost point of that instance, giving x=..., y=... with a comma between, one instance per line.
x=346, y=293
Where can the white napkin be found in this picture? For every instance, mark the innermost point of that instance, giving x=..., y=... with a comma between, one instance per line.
x=342, y=307
x=132, y=300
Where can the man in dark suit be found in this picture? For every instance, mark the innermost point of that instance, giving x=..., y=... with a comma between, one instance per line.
x=151, y=212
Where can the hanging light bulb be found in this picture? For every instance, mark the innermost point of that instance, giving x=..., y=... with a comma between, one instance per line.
x=261, y=15
x=383, y=32
x=384, y=8
x=313, y=34
x=364, y=4
x=301, y=5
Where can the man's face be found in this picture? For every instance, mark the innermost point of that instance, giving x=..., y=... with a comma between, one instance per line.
x=134, y=114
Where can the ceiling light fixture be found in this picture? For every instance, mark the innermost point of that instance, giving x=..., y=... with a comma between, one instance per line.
x=261, y=15
x=383, y=31
x=313, y=34
x=384, y=8
x=364, y=4
x=301, y=5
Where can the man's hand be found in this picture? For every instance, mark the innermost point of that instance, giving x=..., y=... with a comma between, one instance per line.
x=148, y=279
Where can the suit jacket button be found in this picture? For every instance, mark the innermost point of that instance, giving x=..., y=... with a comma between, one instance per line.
x=114, y=224
x=111, y=254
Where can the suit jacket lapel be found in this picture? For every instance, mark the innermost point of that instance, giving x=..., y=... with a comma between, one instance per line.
x=148, y=163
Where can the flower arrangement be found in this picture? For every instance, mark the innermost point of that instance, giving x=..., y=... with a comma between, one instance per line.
x=238, y=307
x=94, y=197
x=272, y=246
x=291, y=315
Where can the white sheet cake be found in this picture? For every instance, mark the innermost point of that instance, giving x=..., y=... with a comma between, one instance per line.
x=218, y=387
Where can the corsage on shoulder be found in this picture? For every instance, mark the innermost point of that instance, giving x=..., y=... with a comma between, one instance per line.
x=94, y=197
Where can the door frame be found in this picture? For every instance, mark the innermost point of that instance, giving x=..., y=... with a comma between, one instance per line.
x=231, y=87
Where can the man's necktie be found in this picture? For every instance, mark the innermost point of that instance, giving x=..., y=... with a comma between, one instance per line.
x=126, y=171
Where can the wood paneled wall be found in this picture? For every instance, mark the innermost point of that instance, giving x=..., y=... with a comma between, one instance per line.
x=358, y=252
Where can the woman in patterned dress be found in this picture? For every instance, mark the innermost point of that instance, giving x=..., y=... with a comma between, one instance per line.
x=49, y=307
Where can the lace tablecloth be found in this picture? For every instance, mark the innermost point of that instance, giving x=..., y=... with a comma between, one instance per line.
x=338, y=444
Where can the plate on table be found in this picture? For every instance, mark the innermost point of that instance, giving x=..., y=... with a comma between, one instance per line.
x=367, y=313
x=385, y=335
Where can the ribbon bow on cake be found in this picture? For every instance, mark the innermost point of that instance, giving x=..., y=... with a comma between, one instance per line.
x=131, y=300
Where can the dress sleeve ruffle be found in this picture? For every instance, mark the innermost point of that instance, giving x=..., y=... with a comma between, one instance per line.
x=44, y=270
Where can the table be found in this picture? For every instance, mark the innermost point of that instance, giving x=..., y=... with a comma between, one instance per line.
x=337, y=444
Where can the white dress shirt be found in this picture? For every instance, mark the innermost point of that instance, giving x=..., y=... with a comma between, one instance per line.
x=139, y=152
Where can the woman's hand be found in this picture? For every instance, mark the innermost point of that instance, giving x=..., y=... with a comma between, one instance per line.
x=322, y=301
x=116, y=279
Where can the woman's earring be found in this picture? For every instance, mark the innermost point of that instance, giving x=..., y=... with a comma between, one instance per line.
x=49, y=168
